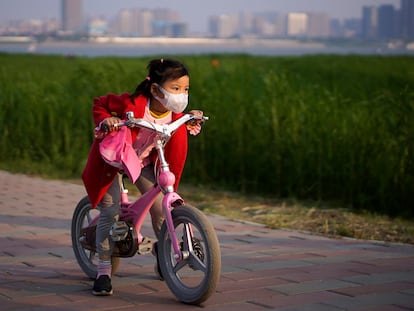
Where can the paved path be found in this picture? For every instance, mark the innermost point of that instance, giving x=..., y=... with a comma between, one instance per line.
x=262, y=269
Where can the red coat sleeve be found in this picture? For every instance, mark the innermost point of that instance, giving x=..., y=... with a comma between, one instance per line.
x=110, y=105
x=98, y=175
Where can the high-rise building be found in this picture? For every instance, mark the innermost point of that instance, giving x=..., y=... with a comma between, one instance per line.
x=369, y=22
x=318, y=25
x=387, y=24
x=224, y=26
x=123, y=24
x=134, y=23
x=72, y=17
x=247, y=23
x=407, y=19
x=297, y=24
x=145, y=21
x=138, y=22
x=97, y=27
x=269, y=24
x=352, y=27
x=179, y=30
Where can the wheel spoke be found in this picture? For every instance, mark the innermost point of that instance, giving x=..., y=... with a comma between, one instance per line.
x=89, y=217
x=195, y=263
x=187, y=238
x=181, y=264
x=91, y=255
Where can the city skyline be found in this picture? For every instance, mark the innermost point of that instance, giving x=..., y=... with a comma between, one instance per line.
x=194, y=13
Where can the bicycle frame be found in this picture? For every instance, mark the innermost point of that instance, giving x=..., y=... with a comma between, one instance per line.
x=136, y=211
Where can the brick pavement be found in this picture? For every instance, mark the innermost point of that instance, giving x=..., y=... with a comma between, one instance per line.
x=262, y=269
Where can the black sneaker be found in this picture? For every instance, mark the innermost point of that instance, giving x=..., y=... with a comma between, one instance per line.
x=102, y=286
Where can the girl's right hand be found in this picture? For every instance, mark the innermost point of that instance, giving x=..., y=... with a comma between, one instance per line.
x=108, y=124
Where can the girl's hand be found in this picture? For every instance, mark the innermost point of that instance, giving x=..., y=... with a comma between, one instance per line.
x=109, y=124
x=194, y=129
x=106, y=126
x=198, y=113
x=194, y=126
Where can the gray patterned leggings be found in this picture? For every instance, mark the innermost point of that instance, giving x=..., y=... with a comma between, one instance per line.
x=109, y=208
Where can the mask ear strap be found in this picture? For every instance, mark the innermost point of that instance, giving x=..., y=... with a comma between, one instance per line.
x=163, y=91
x=165, y=94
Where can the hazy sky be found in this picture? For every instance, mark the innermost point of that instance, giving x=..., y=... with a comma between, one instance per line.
x=194, y=12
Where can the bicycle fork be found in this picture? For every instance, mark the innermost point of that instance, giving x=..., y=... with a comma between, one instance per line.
x=170, y=199
x=166, y=181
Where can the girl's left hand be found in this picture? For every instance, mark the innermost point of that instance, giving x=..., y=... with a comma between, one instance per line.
x=194, y=127
x=198, y=113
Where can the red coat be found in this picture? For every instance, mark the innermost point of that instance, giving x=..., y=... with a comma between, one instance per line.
x=98, y=175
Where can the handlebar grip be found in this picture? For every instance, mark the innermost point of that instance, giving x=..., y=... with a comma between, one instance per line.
x=105, y=128
x=119, y=124
x=197, y=120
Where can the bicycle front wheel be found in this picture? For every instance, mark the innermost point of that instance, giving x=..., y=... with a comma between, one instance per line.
x=194, y=278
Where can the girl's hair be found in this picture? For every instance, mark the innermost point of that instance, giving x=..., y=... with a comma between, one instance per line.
x=159, y=71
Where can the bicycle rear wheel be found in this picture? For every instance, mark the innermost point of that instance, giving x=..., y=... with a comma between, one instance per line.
x=83, y=216
x=193, y=279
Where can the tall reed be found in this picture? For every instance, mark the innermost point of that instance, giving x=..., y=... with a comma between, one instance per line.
x=317, y=127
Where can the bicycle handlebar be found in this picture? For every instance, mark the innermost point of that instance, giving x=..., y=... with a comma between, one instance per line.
x=165, y=130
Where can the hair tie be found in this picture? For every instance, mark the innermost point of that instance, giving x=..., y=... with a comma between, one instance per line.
x=148, y=78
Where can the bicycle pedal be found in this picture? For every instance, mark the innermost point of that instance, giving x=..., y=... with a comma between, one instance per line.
x=145, y=247
x=119, y=231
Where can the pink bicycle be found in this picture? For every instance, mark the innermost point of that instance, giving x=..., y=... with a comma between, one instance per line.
x=188, y=249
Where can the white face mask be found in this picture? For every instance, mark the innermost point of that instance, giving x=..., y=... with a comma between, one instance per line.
x=174, y=102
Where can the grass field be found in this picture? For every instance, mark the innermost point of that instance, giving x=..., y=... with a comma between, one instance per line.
x=321, y=128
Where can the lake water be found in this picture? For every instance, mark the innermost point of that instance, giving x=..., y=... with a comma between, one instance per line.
x=186, y=46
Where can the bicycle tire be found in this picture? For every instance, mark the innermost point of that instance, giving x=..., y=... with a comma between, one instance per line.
x=87, y=260
x=194, y=279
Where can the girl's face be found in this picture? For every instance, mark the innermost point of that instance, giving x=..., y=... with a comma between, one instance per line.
x=178, y=86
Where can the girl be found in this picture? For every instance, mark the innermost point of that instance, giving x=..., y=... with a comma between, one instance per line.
x=160, y=98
